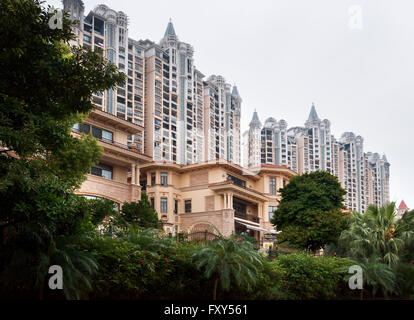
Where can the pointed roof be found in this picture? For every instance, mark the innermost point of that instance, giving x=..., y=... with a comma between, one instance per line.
x=255, y=120
x=313, y=115
x=403, y=206
x=170, y=30
x=235, y=92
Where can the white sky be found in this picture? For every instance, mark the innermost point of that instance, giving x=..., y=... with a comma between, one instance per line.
x=285, y=54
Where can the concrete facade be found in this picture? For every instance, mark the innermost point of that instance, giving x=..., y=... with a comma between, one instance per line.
x=217, y=193
x=364, y=176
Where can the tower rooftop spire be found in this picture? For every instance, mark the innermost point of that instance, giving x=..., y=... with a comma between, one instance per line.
x=255, y=123
x=170, y=29
x=255, y=116
x=403, y=206
x=313, y=115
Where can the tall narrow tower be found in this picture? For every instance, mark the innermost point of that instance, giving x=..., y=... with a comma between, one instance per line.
x=254, y=146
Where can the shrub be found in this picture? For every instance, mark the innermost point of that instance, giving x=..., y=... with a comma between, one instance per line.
x=405, y=280
x=145, y=264
x=309, y=277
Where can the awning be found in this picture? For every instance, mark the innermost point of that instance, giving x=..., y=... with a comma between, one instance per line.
x=258, y=228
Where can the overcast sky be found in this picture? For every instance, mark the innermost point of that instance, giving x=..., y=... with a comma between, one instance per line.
x=285, y=54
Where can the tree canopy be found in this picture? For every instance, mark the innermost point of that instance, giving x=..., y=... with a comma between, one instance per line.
x=45, y=87
x=379, y=243
x=140, y=214
x=310, y=214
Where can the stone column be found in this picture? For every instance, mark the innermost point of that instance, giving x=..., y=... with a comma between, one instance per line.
x=231, y=200
x=137, y=174
x=133, y=177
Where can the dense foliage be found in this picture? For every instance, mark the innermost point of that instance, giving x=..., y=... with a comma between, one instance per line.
x=381, y=245
x=147, y=264
x=139, y=213
x=310, y=212
x=45, y=87
x=229, y=260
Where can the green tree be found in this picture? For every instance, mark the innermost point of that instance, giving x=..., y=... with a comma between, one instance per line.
x=406, y=223
x=373, y=241
x=229, y=260
x=310, y=213
x=45, y=87
x=140, y=214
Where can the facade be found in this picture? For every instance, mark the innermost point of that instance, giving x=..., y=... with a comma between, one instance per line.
x=165, y=112
x=274, y=142
x=380, y=177
x=365, y=176
x=116, y=176
x=219, y=193
x=252, y=143
x=353, y=168
x=187, y=118
x=222, y=110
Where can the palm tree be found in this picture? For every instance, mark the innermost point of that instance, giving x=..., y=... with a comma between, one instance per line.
x=35, y=250
x=372, y=241
x=227, y=260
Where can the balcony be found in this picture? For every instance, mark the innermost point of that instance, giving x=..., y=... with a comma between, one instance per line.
x=120, y=148
x=117, y=191
x=246, y=216
x=115, y=122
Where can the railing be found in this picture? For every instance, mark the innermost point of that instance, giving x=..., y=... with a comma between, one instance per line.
x=99, y=108
x=121, y=145
x=246, y=216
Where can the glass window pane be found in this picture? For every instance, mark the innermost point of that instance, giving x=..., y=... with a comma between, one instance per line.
x=107, y=136
x=97, y=132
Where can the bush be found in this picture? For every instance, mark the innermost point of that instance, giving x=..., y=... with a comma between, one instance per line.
x=304, y=276
x=145, y=264
x=405, y=280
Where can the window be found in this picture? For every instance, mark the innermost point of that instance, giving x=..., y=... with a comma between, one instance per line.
x=236, y=181
x=187, y=205
x=96, y=132
x=272, y=190
x=152, y=203
x=153, y=179
x=175, y=206
x=164, y=179
x=272, y=210
x=102, y=170
x=164, y=206
x=102, y=134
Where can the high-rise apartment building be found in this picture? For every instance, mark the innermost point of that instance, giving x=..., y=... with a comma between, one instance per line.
x=252, y=143
x=105, y=31
x=365, y=177
x=380, y=176
x=187, y=119
x=222, y=120
x=274, y=142
x=353, y=168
